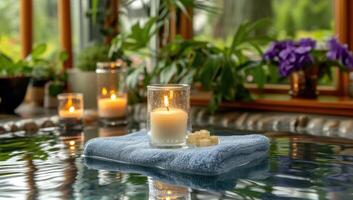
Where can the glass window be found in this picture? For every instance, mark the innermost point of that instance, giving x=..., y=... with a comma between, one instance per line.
x=45, y=24
x=9, y=32
x=290, y=19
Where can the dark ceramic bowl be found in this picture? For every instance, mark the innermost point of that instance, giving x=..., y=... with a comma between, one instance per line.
x=12, y=92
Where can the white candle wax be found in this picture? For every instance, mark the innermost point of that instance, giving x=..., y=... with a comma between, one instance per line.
x=113, y=107
x=168, y=124
x=71, y=113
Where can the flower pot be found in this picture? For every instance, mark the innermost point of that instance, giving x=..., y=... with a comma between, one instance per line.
x=12, y=93
x=35, y=91
x=52, y=89
x=84, y=82
x=303, y=83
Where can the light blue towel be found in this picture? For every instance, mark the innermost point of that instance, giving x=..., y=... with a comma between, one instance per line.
x=232, y=152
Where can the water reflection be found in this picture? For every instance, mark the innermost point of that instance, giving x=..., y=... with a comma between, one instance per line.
x=159, y=190
x=112, y=131
x=49, y=166
x=72, y=145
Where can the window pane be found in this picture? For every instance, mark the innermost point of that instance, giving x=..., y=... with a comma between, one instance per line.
x=290, y=19
x=45, y=24
x=9, y=31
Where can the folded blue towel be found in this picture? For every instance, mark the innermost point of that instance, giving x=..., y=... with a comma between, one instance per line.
x=256, y=170
x=232, y=152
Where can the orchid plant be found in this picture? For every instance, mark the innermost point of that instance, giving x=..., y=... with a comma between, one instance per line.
x=292, y=56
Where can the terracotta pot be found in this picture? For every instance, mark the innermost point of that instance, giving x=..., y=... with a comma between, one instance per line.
x=303, y=83
x=12, y=93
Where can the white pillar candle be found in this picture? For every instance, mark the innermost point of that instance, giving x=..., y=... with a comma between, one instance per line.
x=168, y=124
x=113, y=107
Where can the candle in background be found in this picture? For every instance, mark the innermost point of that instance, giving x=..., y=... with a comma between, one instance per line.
x=70, y=105
x=168, y=116
x=70, y=110
x=112, y=95
x=113, y=106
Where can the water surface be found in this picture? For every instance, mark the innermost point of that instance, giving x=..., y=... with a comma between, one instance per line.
x=48, y=165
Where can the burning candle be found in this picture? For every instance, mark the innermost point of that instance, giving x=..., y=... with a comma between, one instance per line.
x=112, y=95
x=112, y=107
x=168, y=117
x=70, y=112
x=168, y=123
x=70, y=106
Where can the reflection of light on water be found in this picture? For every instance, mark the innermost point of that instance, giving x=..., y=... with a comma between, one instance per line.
x=165, y=191
x=72, y=144
x=111, y=131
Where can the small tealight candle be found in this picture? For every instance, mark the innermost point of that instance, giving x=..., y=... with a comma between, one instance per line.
x=70, y=105
x=70, y=111
x=168, y=119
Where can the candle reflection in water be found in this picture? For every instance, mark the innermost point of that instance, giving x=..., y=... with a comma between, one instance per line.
x=164, y=191
x=71, y=146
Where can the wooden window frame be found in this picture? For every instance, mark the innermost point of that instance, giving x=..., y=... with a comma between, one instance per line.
x=26, y=28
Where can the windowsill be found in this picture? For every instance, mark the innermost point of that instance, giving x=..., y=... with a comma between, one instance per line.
x=279, y=102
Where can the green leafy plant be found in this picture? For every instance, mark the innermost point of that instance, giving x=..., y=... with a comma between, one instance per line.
x=11, y=68
x=46, y=67
x=135, y=42
x=88, y=57
x=219, y=70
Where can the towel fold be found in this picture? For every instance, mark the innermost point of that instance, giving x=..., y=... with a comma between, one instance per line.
x=256, y=170
x=232, y=152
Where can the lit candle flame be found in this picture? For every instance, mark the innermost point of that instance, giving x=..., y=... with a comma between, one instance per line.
x=104, y=91
x=113, y=96
x=171, y=94
x=71, y=109
x=166, y=102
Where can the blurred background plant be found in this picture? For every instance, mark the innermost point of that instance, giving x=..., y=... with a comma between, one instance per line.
x=88, y=58
x=219, y=70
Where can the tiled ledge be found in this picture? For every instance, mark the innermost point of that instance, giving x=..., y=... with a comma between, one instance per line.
x=281, y=123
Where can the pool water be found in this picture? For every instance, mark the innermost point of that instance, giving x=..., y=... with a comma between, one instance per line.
x=49, y=165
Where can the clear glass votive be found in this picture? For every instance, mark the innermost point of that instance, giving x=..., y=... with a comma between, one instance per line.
x=161, y=190
x=70, y=110
x=168, y=119
x=112, y=95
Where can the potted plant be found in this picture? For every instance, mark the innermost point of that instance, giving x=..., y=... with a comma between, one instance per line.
x=82, y=78
x=14, y=78
x=304, y=63
x=44, y=69
x=221, y=71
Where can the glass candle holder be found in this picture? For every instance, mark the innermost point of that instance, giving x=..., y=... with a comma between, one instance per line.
x=168, y=119
x=70, y=110
x=112, y=96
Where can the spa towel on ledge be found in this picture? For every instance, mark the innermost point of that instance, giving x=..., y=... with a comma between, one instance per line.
x=232, y=152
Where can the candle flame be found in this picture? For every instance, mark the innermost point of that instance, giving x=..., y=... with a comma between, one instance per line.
x=166, y=101
x=104, y=91
x=71, y=109
x=113, y=96
x=69, y=104
x=171, y=94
